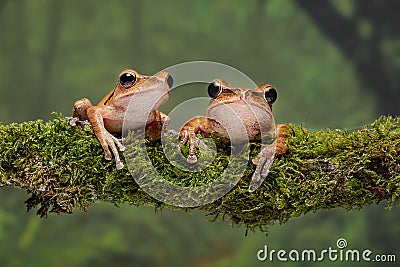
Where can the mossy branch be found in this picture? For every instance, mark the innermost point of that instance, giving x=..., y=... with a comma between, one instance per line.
x=62, y=167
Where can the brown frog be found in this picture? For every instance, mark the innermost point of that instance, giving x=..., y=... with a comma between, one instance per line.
x=147, y=93
x=246, y=114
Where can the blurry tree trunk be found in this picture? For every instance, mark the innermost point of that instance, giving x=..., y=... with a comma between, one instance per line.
x=255, y=33
x=258, y=26
x=364, y=50
x=366, y=56
x=49, y=55
x=137, y=27
x=17, y=34
x=136, y=39
x=31, y=74
x=2, y=4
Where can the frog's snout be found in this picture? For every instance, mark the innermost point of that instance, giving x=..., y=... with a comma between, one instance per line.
x=170, y=81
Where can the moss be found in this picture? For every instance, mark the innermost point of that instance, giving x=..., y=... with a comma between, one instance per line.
x=62, y=168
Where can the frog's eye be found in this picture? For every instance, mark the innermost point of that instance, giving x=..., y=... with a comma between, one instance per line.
x=127, y=80
x=270, y=95
x=214, y=89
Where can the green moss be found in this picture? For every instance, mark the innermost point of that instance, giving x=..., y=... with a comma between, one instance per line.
x=63, y=168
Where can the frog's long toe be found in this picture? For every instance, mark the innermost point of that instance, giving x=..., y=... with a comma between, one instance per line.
x=107, y=153
x=72, y=121
x=255, y=180
x=192, y=159
x=119, y=165
x=200, y=143
x=75, y=121
x=117, y=141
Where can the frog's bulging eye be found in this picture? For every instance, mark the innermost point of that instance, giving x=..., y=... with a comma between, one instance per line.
x=127, y=80
x=214, y=89
x=270, y=95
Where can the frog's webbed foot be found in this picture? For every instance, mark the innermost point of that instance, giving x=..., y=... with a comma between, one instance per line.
x=74, y=121
x=188, y=135
x=108, y=141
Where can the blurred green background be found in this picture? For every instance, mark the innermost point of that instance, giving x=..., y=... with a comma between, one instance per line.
x=335, y=64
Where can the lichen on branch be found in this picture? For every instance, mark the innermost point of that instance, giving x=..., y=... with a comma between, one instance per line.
x=63, y=168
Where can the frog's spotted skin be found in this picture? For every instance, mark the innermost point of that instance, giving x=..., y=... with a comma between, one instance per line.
x=108, y=116
x=237, y=109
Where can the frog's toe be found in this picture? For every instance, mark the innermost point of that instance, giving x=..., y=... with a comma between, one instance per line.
x=255, y=181
x=200, y=143
x=253, y=187
x=119, y=165
x=255, y=161
x=84, y=123
x=178, y=150
x=117, y=141
x=107, y=153
x=72, y=121
x=191, y=159
x=170, y=132
x=265, y=170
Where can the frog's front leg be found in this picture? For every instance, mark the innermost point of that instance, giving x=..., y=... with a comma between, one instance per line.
x=263, y=162
x=267, y=154
x=108, y=141
x=197, y=125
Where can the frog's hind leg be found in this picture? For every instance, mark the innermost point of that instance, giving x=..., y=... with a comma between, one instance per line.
x=154, y=129
x=281, y=139
x=80, y=113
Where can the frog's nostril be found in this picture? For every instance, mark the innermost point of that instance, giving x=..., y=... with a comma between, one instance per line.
x=170, y=81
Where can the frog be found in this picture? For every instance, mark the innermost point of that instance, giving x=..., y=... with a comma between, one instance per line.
x=253, y=109
x=108, y=117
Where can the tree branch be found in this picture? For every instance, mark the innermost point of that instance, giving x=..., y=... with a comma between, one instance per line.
x=63, y=167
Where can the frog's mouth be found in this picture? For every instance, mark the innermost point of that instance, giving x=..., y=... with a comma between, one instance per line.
x=235, y=116
x=146, y=99
x=154, y=91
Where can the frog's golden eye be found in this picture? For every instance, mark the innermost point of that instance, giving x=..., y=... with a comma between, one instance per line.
x=127, y=80
x=270, y=95
x=214, y=89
